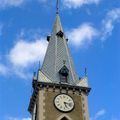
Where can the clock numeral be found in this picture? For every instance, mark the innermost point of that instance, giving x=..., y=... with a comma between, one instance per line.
x=60, y=96
x=58, y=104
x=70, y=104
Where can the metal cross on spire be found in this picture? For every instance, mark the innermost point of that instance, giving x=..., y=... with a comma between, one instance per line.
x=57, y=7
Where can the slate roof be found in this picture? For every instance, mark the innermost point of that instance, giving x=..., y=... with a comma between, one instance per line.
x=58, y=55
x=83, y=82
x=42, y=77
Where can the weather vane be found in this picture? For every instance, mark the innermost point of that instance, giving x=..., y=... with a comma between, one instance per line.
x=57, y=7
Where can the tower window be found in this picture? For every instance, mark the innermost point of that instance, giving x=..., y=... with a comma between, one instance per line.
x=64, y=118
x=48, y=38
x=60, y=34
x=63, y=78
x=64, y=74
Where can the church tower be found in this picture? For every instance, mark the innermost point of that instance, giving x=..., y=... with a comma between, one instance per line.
x=58, y=93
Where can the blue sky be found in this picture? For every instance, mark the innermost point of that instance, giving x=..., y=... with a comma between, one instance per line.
x=93, y=29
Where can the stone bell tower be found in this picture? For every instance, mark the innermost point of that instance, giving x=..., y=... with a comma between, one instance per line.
x=58, y=93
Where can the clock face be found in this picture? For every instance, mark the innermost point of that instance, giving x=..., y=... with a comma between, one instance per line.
x=64, y=103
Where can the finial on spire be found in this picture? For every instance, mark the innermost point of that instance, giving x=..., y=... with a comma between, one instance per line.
x=34, y=74
x=85, y=71
x=57, y=7
x=39, y=65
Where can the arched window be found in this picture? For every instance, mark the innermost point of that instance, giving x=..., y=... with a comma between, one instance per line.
x=64, y=118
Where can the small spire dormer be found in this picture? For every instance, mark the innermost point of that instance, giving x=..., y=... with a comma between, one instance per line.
x=60, y=34
x=64, y=73
x=48, y=38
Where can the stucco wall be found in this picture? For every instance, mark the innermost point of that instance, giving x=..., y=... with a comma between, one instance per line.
x=47, y=110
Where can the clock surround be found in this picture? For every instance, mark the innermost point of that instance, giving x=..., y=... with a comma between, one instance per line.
x=64, y=103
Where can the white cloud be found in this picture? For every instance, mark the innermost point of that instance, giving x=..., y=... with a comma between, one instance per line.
x=82, y=35
x=99, y=114
x=22, y=73
x=78, y=3
x=3, y=69
x=8, y=3
x=26, y=53
x=109, y=22
x=12, y=70
x=13, y=118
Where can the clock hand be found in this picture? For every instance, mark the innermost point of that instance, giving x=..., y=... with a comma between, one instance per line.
x=65, y=103
x=69, y=104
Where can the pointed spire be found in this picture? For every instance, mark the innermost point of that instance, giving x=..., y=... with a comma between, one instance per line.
x=57, y=25
x=57, y=55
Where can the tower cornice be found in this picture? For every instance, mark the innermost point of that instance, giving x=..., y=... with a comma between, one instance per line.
x=54, y=86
